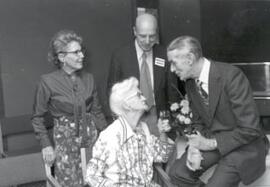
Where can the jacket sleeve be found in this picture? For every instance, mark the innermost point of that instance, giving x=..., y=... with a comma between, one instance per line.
x=113, y=77
x=96, y=110
x=40, y=109
x=174, y=89
x=114, y=72
x=242, y=105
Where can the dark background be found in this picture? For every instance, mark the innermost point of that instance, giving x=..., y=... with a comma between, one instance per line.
x=236, y=30
x=230, y=31
x=26, y=28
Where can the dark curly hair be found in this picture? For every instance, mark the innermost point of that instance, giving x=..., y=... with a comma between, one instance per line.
x=59, y=43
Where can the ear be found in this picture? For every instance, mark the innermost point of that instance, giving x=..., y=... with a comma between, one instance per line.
x=61, y=57
x=134, y=31
x=191, y=58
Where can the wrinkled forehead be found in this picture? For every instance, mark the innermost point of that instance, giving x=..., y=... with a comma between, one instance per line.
x=146, y=26
x=146, y=30
x=177, y=53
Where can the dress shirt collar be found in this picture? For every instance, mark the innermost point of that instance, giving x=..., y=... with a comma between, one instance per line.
x=204, y=75
x=139, y=51
x=65, y=74
x=129, y=130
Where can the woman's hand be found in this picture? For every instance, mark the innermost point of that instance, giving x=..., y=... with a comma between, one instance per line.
x=48, y=155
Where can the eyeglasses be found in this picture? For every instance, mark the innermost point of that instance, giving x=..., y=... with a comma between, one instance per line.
x=77, y=52
x=137, y=94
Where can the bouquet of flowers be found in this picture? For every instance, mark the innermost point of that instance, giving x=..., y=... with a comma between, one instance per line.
x=181, y=117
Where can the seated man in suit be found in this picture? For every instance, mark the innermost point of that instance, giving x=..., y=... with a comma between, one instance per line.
x=228, y=133
x=147, y=61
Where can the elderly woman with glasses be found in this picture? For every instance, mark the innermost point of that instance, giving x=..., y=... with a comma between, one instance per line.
x=69, y=95
x=124, y=152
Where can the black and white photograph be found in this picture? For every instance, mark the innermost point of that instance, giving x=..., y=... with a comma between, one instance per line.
x=134, y=93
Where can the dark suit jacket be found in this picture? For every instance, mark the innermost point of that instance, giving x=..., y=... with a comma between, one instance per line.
x=232, y=118
x=124, y=64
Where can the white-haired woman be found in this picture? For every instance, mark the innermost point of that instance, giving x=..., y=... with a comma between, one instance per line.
x=124, y=153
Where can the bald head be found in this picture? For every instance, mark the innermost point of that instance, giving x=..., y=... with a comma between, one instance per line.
x=146, y=20
x=145, y=31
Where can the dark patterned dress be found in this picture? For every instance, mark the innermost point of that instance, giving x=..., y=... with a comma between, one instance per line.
x=77, y=115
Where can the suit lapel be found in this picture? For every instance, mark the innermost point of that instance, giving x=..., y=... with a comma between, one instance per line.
x=215, y=87
x=157, y=71
x=197, y=101
x=134, y=62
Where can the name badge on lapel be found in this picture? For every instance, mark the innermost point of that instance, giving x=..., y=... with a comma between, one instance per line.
x=159, y=62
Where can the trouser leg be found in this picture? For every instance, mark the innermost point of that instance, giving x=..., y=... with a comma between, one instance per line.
x=225, y=175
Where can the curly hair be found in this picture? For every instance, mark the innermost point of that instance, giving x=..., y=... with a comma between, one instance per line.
x=59, y=43
x=119, y=92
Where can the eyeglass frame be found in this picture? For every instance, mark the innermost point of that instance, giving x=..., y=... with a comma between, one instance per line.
x=139, y=94
x=77, y=52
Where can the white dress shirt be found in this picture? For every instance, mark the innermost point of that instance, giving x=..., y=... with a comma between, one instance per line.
x=204, y=75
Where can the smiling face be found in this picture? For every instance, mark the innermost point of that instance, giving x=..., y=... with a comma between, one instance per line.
x=181, y=64
x=72, y=57
x=137, y=101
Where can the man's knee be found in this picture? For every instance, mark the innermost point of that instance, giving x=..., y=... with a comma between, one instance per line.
x=180, y=174
x=176, y=171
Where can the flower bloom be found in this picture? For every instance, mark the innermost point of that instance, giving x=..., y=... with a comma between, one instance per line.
x=184, y=103
x=185, y=110
x=187, y=121
x=174, y=107
x=182, y=115
x=181, y=118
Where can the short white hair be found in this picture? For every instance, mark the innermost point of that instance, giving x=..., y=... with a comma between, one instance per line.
x=119, y=92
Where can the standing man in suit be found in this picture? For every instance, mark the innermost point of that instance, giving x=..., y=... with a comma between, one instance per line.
x=228, y=133
x=147, y=61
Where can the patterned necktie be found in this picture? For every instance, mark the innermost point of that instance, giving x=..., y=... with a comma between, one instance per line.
x=145, y=82
x=202, y=92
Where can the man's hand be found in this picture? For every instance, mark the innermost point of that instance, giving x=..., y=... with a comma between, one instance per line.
x=163, y=126
x=48, y=155
x=194, y=158
x=200, y=142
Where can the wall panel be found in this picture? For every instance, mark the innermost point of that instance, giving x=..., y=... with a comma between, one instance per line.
x=179, y=17
x=26, y=28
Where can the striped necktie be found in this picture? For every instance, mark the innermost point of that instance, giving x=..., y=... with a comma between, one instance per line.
x=202, y=92
x=145, y=82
